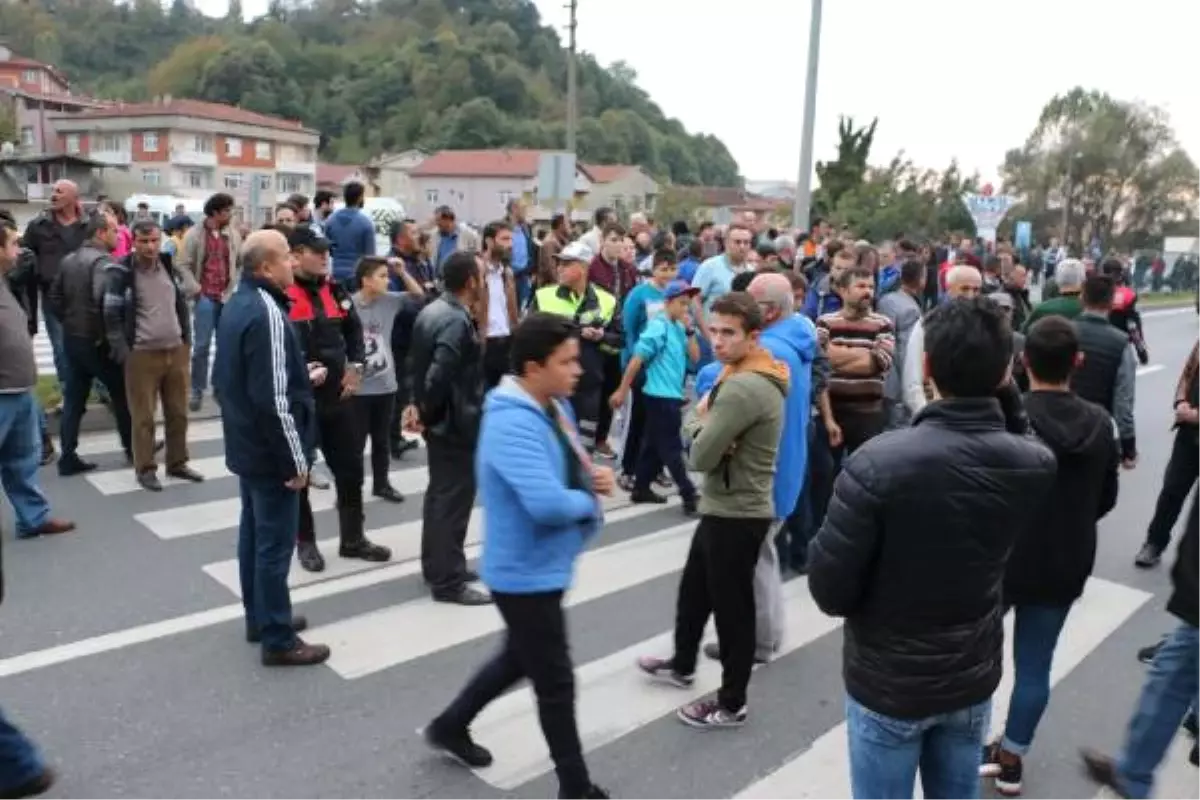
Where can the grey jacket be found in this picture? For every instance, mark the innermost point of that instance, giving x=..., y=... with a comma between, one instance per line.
x=904, y=311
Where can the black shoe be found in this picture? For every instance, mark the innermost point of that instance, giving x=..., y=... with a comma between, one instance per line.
x=459, y=746
x=1103, y=770
x=1194, y=756
x=470, y=576
x=1147, y=557
x=301, y=655
x=593, y=792
x=196, y=403
x=999, y=765
x=389, y=493
x=48, y=451
x=299, y=623
x=149, y=481
x=310, y=557
x=1147, y=654
x=690, y=507
x=39, y=784
x=186, y=473
x=74, y=465
x=646, y=496
x=464, y=596
x=365, y=550
x=1189, y=724
x=401, y=447
x=160, y=445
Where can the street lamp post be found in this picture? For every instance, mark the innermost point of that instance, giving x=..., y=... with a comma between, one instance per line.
x=1066, y=215
x=802, y=207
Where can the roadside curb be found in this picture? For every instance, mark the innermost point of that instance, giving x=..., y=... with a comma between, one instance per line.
x=98, y=420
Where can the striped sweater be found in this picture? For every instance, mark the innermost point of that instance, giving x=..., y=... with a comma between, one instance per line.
x=860, y=355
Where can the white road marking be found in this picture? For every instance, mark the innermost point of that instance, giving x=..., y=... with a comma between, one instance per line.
x=1149, y=369
x=824, y=769
x=615, y=698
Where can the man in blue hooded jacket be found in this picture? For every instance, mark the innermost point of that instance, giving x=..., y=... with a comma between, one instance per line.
x=539, y=492
x=351, y=234
x=792, y=339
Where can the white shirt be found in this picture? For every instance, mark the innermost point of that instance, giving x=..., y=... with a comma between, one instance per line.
x=913, y=371
x=497, y=323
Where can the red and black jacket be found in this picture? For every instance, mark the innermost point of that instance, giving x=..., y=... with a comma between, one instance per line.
x=329, y=329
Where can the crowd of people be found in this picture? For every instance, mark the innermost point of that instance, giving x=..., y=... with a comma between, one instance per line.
x=893, y=421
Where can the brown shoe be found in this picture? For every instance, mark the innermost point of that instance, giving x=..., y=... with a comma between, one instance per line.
x=301, y=655
x=32, y=787
x=52, y=526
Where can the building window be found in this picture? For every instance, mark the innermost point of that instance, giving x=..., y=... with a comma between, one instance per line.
x=30, y=76
x=73, y=143
x=108, y=143
x=264, y=183
x=431, y=196
x=195, y=178
x=234, y=180
x=202, y=144
x=287, y=184
x=151, y=177
x=150, y=141
x=233, y=147
x=27, y=136
x=262, y=151
x=505, y=198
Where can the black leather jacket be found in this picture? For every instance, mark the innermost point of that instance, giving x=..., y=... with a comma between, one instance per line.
x=445, y=371
x=912, y=553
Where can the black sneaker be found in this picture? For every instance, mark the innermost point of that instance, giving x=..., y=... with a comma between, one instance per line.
x=1147, y=557
x=365, y=550
x=690, y=507
x=661, y=670
x=709, y=714
x=646, y=496
x=459, y=746
x=196, y=403
x=999, y=765
x=464, y=596
x=73, y=465
x=310, y=557
x=388, y=493
x=593, y=792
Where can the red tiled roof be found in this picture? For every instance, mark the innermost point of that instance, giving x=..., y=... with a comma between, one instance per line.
x=607, y=173
x=29, y=63
x=336, y=174
x=64, y=99
x=200, y=109
x=480, y=164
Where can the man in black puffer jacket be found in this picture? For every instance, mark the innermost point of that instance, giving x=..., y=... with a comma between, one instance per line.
x=1052, y=558
x=912, y=554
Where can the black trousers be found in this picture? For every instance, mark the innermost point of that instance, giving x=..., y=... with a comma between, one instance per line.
x=718, y=580
x=446, y=514
x=611, y=380
x=340, y=438
x=399, y=357
x=633, y=434
x=373, y=414
x=86, y=364
x=536, y=648
x=662, y=446
x=1178, y=479
x=495, y=361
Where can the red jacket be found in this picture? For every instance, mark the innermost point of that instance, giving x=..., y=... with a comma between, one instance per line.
x=604, y=274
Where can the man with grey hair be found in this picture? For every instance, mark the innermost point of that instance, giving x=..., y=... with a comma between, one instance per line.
x=792, y=339
x=785, y=248
x=962, y=280
x=1069, y=277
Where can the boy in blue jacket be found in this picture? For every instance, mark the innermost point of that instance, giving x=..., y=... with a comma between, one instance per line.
x=539, y=493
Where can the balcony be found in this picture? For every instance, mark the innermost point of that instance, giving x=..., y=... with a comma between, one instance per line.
x=192, y=158
x=113, y=158
x=297, y=168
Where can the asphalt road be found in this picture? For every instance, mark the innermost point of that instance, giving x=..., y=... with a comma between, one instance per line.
x=121, y=652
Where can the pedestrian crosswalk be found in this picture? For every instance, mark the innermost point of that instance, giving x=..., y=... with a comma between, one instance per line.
x=391, y=634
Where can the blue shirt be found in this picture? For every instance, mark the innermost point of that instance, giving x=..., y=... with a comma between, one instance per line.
x=643, y=303
x=447, y=244
x=520, y=250
x=687, y=269
x=663, y=350
x=714, y=279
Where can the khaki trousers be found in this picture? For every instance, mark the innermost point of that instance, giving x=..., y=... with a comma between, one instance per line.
x=151, y=375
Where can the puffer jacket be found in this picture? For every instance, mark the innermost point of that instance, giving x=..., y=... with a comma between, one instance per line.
x=912, y=554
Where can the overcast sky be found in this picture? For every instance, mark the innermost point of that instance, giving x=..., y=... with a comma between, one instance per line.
x=947, y=78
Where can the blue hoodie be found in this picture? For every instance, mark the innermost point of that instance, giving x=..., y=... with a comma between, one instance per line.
x=792, y=340
x=535, y=524
x=351, y=236
x=821, y=299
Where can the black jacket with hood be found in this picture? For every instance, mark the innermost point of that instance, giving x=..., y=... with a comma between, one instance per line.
x=1053, y=556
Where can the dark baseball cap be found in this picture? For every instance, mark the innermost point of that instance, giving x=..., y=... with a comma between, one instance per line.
x=307, y=236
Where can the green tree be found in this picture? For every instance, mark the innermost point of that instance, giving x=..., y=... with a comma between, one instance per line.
x=476, y=125
x=8, y=122
x=850, y=168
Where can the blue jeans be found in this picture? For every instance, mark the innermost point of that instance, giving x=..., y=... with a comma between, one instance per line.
x=885, y=753
x=20, y=761
x=54, y=333
x=524, y=289
x=1035, y=635
x=266, y=539
x=20, y=457
x=207, y=315
x=1167, y=696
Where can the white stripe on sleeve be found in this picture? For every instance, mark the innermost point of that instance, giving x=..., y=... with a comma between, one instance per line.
x=279, y=381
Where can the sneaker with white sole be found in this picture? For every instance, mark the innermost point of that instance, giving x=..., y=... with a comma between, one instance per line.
x=660, y=670
x=710, y=714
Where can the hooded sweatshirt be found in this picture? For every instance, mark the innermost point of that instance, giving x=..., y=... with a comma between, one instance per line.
x=535, y=490
x=1053, y=557
x=792, y=340
x=734, y=443
x=351, y=236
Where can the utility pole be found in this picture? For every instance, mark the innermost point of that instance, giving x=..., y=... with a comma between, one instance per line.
x=572, y=91
x=803, y=205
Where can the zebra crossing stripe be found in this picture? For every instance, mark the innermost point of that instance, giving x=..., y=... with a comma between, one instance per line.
x=379, y=640
x=823, y=770
x=404, y=539
x=614, y=698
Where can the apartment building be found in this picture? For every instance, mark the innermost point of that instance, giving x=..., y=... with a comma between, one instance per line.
x=192, y=148
x=34, y=92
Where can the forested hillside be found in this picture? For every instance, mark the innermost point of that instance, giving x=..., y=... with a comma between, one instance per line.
x=371, y=75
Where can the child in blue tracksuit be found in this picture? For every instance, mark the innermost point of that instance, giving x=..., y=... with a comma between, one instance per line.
x=538, y=491
x=664, y=350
